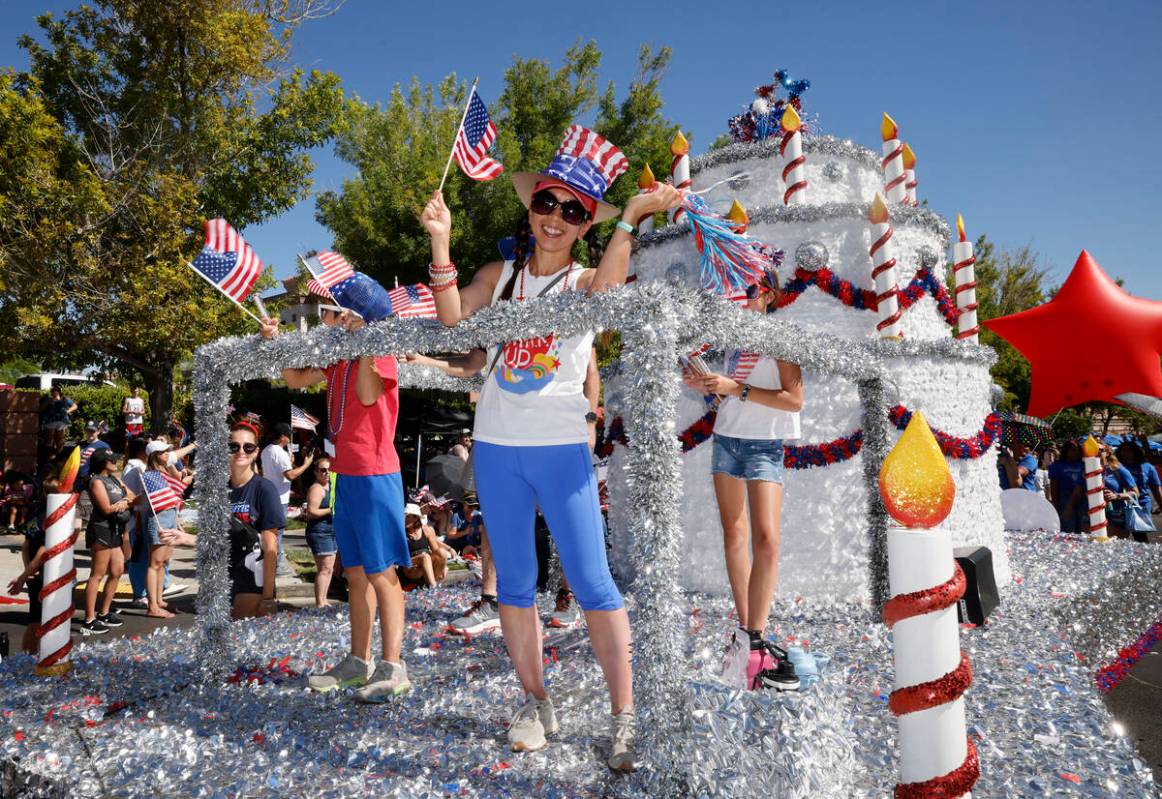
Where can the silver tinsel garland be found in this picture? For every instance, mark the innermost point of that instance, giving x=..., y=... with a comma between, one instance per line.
x=813, y=147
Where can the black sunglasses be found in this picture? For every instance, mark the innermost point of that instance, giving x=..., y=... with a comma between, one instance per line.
x=572, y=211
x=249, y=449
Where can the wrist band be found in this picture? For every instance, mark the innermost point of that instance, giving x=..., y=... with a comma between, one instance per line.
x=627, y=227
x=436, y=289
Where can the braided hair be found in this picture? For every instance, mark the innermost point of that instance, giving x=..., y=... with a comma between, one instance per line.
x=595, y=249
x=520, y=255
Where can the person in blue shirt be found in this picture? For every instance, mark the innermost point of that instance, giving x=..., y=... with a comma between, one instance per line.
x=1067, y=488
x=92, y=443
x=1118, y=485
x=1017, y=467
x=1145, y=475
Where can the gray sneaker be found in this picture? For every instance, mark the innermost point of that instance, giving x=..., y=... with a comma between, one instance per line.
x=348, y=672
x=566, y=613
x=621, y=756
x=389, y=681
x=483, y=615
x=531, y=723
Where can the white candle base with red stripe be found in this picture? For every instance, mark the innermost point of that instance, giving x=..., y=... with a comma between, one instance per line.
x=1095, y=493
x=59, y=578
x=910, y=186
x=964, y=276
x=680, y=176
x=794, y=170
x=887, y=283
x=895, y=190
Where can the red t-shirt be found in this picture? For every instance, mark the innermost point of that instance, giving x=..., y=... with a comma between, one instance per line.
x=363, y=435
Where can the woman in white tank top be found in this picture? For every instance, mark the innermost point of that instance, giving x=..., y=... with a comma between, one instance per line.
x=761, y=399
x=532, y=429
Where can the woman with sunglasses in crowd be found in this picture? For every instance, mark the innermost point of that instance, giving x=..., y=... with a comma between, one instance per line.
x=320, y=531
x=759, y=409
x=257, y=517
x=532, y=419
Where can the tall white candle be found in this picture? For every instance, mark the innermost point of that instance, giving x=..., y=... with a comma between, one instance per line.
x=909, y=160
x=791, y=149
x=964, y=276
x=59, y=575
x=893, y=163
x=680, y=170
x=1094, y=490
x=884, y=274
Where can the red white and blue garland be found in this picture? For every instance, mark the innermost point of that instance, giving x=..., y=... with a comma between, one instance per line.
x=1108, y=677
x=852, y=296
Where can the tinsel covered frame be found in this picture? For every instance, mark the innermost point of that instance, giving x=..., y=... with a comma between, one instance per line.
x=657, y=323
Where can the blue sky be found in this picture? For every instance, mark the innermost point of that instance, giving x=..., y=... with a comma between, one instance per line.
x=1036, y=120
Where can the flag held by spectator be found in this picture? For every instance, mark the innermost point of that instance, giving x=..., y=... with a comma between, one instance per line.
x=164, y=491
x=302, y=420
x=227, y=261
x=413, y=302
x=476, y=135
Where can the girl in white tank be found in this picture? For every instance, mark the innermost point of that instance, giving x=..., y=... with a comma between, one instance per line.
x=532, y=428
x=759, y=410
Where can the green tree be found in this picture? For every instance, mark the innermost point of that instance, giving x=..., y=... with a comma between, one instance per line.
x=143, y=119
x=400, y=149
x=1008, y=283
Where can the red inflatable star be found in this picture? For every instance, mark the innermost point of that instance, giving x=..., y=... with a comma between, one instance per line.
x=1093, y=341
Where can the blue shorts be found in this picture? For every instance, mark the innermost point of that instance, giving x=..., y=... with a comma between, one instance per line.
x=512, y=483
x=368, y=522
x=748, y=459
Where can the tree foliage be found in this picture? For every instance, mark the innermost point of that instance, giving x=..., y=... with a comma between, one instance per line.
x=136, y=121
x=400, y=149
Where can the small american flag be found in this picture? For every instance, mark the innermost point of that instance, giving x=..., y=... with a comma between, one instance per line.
x=318, y=289
x=302, y=420
x=409, y=302
x=472, y=142
x=741, y=363
x=227, y=261
x=330, y=268
x=252, y=417
x=164, y=491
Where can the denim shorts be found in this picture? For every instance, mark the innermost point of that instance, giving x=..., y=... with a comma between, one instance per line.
x=321, y=538
x=748, y=459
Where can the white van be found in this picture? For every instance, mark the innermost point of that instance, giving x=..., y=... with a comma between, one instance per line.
x=46, y=380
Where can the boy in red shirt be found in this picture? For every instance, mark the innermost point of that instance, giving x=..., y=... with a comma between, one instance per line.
x=362, y=408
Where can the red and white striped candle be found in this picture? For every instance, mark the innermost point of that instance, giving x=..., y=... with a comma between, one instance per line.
x=645, y=182
x=791, y=150
x=59, y=575
x=680, y=170
x=1094, y=489
x=894, y=178
x=887, y=286
x=964, y=276
x=909, y=160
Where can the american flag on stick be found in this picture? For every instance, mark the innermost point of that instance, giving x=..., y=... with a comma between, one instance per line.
x=318, y=289
x=413, y=302
x=164, y=491
x=473, y=139
x=329, y=269
x=302, y=420
x=227, y=262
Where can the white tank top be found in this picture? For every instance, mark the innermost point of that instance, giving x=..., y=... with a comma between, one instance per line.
x=751, y=420
x=534, y=395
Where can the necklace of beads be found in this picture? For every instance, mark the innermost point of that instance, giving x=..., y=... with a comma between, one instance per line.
x=332, y=412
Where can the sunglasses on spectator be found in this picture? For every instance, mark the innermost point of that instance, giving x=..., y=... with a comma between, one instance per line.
x=322, y=468
x=249, y=449
x=572, y=211
x=756, y=289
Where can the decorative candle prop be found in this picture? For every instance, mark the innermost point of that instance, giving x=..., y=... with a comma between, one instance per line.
x=937, y=759
x=887, y=286
x=791, y=149
x=1094, y=490
x=893, y=163
x=680, y=170
x=964, y=276
x=738, y=215
x=645, y=182
x=59, y=574
x=909, y=160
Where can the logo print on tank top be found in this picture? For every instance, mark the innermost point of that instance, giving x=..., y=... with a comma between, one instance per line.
x=528, y=365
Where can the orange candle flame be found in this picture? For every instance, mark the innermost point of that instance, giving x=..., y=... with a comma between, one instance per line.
x=69, y=471
x=1090, y=448
x=679, y=146
x=878, y=213
x=646, y=179
x=738, y=214
x=960, y=228
x=791, y=120
x=915, y=483
x=909, y=157
x=888, y=128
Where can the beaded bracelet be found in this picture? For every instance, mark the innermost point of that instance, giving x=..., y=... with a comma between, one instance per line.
x=437, y=288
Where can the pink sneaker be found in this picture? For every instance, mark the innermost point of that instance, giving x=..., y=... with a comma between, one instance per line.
x=760, y=661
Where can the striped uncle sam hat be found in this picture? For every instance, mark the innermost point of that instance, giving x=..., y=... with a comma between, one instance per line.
x=586, y=163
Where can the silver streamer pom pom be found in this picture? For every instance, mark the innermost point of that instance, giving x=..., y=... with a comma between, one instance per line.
x=833, y=171
x=812, y=256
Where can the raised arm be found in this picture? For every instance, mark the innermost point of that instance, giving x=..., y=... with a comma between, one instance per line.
x=294, y=378
x=615, y=263
x=453, y=303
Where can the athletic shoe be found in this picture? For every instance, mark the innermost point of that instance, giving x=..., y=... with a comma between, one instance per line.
x=387, y=682
x=348, y=672
x=566, y=614
x=174, y=589
x=94, y=627
x=769, y=668
x=140, y=602
x=531, y=723
x=110, y=619
x=621, y=756
x=734, y=660
x=284, y=569
x=483, y=615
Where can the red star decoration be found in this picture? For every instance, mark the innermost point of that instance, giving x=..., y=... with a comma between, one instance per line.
x=1093, y=341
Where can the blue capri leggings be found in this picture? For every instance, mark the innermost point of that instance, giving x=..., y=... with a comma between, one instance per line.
x=512, y=482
